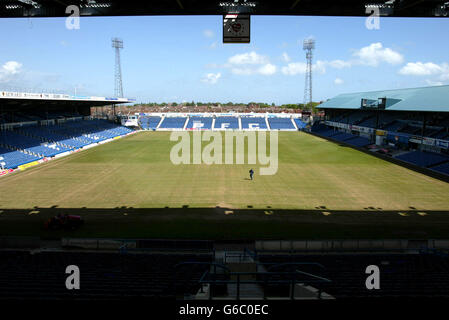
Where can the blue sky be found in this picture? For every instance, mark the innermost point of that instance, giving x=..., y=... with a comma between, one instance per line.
x=183, y=58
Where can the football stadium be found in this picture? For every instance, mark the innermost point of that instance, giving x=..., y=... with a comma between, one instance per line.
x=224, y=202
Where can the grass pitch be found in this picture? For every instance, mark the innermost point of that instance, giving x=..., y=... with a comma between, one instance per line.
x=130, y=188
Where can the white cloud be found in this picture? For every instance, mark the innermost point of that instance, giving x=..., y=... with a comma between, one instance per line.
x=267, y=69
x=211, y=78
x=9, y=70
x=208, y=33
x=338, y=81
x=247, y=64
x=424, y=69
x=375, y=53
x=11, y=67
x=319, y=66
x=286, y=57
x=440, y=71
x=242, y=71
x=248, y=58
x=294, y=68
x=371, y=55
x=339, y=64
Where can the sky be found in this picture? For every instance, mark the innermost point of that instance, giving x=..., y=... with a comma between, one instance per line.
x=182, y=58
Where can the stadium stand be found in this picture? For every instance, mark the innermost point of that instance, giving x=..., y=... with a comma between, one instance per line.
x=173, y=123
x=442, y=168
x=358, y=141
x=300, y=124
x=253, y=123
x=30, y=143
x=200, y=123
x=226, y=123
x=24, y=143
x=49, y=133
x=13, y=159
x=423, y=159
x=403, y=119
x=104, y=275
x=348, y=138
x=149, y=123
x=281, y=124
x=403, y=275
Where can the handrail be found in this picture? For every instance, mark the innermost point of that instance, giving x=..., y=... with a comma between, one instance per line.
x=177, y=266
x=266, y=280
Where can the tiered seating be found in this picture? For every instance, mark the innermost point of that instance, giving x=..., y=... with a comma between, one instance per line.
x=226, y=123
x=369, y=122
x=342, y=136
x=351, y=117
x=348, y=138
x=394, y=126
x=357, y=141
x=200, y=123
x=253, y=123
x=96, y=130
x=173, y=123
x=443, y=168
x=281, y=123
x=443, y=134
x=410, y=129
x=319, y=127
x=36, y=142
x=149, y=123
x=430, y=132
x=13, y=159
x=423, y=159
x=48, y=133
x=104, y=275
x=73, y=133
x=403, y=275
x=32, y=145
x=300, y=124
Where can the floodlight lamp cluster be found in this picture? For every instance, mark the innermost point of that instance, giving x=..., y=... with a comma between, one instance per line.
x=309, y=44
x=117, y=43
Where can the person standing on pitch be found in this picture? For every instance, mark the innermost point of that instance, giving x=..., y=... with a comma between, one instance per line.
x=251, y=173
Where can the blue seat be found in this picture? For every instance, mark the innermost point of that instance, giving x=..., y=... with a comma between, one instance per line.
x=358, y=141
x=226, y=123
x=442, y=168
x=253, y=123
x=13, y=158
x=30, y=143
x=200, y=123
x=149, y=123
x=281, y=124
x=173, y=123
x=300, y=124
x=423, y=159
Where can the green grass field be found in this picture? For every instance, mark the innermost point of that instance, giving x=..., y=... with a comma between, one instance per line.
x=129, y=188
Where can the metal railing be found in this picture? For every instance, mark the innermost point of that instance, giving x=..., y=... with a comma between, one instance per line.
x=264, y=279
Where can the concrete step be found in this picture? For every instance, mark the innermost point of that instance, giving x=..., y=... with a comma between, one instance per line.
x=247, y=291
